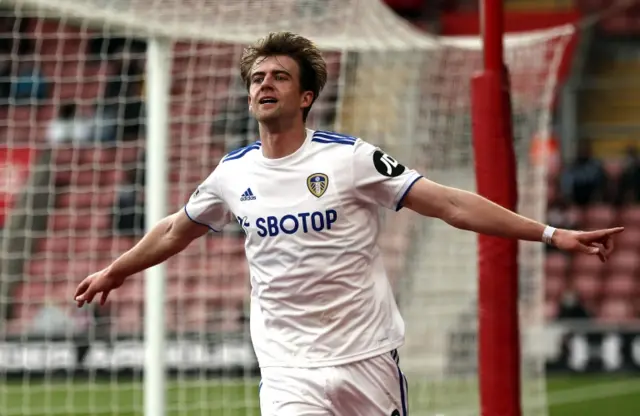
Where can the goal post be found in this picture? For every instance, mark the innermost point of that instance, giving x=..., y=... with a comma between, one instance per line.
x=158, y=71
x=176, y=342
x=496, y=179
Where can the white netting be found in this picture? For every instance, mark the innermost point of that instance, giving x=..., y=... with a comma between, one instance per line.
x=78, y=207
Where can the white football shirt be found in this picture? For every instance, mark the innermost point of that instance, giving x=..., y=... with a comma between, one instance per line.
x=319, y=291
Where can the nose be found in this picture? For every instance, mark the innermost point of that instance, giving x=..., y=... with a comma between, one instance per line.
x=267, y=81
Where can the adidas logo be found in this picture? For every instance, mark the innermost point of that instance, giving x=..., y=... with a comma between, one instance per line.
x=247, y=196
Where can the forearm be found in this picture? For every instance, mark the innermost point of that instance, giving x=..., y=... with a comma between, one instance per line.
x=155, y=247
x=472, y=212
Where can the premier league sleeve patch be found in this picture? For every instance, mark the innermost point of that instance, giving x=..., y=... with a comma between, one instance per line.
x=317, y=184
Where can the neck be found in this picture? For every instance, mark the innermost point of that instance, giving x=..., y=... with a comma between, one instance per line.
x=279, y=141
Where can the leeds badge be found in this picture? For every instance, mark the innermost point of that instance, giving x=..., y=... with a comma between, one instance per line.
x=317, y=184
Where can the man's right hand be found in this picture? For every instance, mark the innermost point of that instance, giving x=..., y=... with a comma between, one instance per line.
x=167, y=238
x=100, y=282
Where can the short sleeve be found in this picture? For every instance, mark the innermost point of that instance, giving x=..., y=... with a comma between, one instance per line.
x=378, y=178
x=206, y=206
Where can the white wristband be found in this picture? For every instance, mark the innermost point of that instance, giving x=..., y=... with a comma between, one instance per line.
x=547, y=234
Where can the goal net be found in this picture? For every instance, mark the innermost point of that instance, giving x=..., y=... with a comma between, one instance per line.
x=72, y=123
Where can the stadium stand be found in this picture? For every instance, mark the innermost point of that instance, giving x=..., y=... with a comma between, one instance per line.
x=623, y=22
x=607, y=291
x=607, y=123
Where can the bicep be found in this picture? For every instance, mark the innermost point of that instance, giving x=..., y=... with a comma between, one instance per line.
x=430, y=199
x=185, y=229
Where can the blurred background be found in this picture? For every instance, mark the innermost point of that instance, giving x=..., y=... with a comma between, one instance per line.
x=72, y=178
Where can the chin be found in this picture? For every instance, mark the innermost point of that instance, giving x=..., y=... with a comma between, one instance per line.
x=267, y=117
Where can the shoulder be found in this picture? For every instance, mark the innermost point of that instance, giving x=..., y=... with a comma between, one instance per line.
x=231, y=164
x=337, y=145
x=333, y=139
x=350, y=145
x=241, y=153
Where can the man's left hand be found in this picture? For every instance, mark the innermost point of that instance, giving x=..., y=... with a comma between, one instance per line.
x=597, y=242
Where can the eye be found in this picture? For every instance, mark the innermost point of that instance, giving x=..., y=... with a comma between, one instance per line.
x=257, y=80
x=281, y=77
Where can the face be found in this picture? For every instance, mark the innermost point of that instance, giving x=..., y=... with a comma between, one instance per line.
x=274, y=89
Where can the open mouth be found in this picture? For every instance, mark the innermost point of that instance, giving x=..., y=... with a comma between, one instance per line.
x=268, y=100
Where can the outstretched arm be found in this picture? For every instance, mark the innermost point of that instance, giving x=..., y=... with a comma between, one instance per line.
x=166, y=239
x=469, y=211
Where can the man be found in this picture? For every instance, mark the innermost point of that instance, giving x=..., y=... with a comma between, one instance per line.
x=324, y=323
x=585, y=181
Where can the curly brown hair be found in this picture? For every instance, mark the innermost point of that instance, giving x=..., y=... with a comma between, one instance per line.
x=313, y=68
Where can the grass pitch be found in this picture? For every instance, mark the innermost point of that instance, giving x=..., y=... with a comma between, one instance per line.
x=567, y=396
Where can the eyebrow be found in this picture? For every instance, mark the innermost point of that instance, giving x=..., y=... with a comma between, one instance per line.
x=275, y=72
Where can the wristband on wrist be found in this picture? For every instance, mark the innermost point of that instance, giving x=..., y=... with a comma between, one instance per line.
x=547, y=234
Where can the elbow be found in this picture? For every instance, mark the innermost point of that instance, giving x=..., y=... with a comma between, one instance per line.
x=454, y=212
x=456, y=218
x=171, y=235
x=451, y=205
x=179, y=230
x=167, y=225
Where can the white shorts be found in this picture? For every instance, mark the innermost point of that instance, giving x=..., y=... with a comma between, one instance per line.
x=373, y=387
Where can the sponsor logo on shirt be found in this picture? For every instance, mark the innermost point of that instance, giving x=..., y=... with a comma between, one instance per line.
x=302, y=222
x=386, y=165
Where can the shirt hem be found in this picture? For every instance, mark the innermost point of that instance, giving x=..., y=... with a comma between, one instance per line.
x=405, y=190
x=333, y=362
x=198, y=222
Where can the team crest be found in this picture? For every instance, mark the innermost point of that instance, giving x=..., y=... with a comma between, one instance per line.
x=317, y=184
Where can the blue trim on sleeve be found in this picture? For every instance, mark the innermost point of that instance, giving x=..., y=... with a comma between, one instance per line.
x=240, y=149
x=324, y=137
x=236, y=151
x=239, y=153
x=333, y=135
x=198, y=222
x=320, y=140
x=399, y=206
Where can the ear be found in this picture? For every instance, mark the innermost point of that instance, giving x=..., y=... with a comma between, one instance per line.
x=249, y=102
x=306, y=99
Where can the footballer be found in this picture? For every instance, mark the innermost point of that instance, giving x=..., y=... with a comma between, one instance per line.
x=324, y=323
